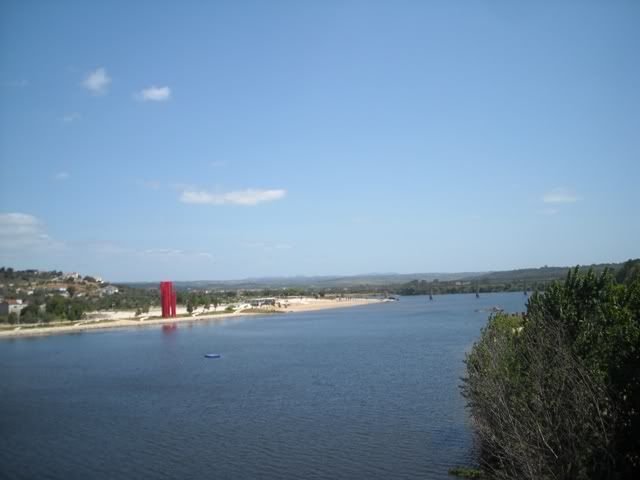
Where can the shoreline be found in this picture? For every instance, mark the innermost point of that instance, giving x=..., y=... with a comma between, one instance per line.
x=83, y=326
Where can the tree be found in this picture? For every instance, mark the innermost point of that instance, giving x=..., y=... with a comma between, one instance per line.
x=556, y=394
x=30, y=314
x=629, y=272
x=75, y=310
x=56, y=306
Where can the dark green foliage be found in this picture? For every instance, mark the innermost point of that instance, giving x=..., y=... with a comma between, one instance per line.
x=127, y=298
x=556, y=394
x=465, y=472
x=629, y=272
x=65, y=309
x=31, y=314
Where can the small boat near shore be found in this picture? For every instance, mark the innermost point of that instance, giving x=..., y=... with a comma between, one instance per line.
x=490, y=310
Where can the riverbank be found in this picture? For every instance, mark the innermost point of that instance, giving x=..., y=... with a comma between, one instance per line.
x=123, y=319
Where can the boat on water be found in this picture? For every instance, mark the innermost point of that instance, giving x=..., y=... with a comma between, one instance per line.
x=490, y=310
x=212, y=355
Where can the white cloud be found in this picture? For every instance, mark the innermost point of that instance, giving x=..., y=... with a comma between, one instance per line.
x=61, y=176
x=240, y=197
x=71, y=117
x=22, y=231
x=154, y=94
x=97, y=81
x=560, y=195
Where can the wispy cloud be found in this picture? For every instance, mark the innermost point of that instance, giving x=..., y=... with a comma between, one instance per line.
x=154, y=94
x=176, y=253
x=268, y=246
x=108, y=248
x=163, y=251
x=97, y=82
x=152, y=184
x=61, y=176
x=549, y=211
x=71, y=117
x=246, y=197
x=19, y=231
x=16, y=83
x=560, y=195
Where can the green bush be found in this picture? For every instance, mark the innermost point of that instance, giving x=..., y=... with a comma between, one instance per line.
x=556, y=394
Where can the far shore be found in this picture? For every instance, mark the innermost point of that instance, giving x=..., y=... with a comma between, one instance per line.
x=124, y=319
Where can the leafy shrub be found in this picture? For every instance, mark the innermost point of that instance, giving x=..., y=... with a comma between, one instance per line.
x=556, y=394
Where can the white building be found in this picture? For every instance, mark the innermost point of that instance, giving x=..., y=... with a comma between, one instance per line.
x=109, y=290
x=11, y=306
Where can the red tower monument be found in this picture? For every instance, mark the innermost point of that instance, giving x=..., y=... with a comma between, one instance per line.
x=167, y=299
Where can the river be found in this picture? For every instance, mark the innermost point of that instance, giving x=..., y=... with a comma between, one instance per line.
x=364, y=392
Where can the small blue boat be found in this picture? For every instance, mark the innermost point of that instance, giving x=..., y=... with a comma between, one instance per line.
x=212, y=355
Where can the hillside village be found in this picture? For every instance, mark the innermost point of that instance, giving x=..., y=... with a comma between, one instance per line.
x=21, y=289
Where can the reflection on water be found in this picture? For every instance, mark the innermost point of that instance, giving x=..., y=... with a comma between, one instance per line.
x=364, y=392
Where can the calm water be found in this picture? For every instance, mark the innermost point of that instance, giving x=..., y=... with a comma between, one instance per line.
x=367, y=392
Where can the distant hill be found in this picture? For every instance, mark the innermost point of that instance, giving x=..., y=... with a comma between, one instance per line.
x=542, y=274
x=379, y=281
x=312, y=282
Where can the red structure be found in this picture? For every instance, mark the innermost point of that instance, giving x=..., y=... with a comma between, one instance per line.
x=167, y=299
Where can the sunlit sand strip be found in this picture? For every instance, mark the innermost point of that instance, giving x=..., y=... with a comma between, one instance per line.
x=125, y=319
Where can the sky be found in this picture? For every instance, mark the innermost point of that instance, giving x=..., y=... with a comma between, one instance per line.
x=231, y=139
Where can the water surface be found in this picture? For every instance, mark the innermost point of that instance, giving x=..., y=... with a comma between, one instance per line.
x=364, y=392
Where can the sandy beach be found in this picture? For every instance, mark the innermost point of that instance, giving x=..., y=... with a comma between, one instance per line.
x=126, y=319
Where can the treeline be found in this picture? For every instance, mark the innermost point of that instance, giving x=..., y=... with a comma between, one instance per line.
x=435, y=287
x=529, y=280
x=556, y=394
x=8, y=273
x=44, y=307
x=47, y=308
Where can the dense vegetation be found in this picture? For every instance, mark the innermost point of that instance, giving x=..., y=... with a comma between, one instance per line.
x=52, y=296
x=556, y=393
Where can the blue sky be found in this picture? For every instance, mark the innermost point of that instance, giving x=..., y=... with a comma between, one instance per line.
x=217, y=140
